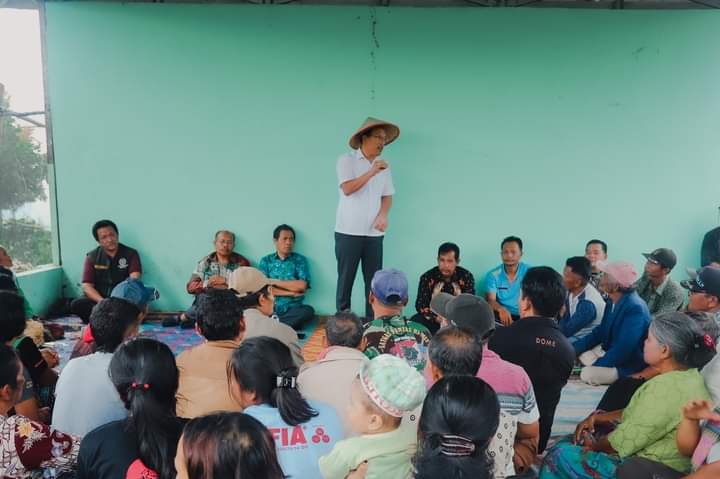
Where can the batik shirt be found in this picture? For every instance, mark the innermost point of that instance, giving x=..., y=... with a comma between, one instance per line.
x=292, y=268
x=397, y=336
x=433, y=281
x=209, y=266
x=31, y=449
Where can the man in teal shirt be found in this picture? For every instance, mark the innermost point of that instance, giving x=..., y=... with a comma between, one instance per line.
x=288, y=273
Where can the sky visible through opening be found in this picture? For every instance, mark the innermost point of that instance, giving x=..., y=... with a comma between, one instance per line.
x=22, y=75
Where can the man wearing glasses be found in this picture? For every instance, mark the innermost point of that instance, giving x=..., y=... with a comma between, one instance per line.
x=366, y=190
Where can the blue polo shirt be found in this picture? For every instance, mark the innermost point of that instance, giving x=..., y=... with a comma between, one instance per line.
x=508, y=295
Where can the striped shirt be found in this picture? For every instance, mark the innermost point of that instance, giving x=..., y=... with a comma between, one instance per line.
x=512, y=386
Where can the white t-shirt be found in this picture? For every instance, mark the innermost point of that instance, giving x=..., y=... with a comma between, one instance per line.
x=85, y=398
x=711, y=375
x=356, y=213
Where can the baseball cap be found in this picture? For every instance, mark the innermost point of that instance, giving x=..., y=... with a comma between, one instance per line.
x=439, y=302
x=665, y=257
x=703, y=280
x=134, y=291
x=623, y=272
x=247, y=280
x=470, y=312
x=390, y=287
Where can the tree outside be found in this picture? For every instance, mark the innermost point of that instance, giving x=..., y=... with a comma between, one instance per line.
x=23, y=180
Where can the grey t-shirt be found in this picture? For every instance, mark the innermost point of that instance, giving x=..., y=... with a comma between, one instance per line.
x=85, y=398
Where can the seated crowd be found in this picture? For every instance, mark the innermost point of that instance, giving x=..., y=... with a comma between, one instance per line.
x=468, y=386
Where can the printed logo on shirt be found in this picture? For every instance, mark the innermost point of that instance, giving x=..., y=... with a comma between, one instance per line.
x=295, y=438
x=122, y=263
x=545, y=342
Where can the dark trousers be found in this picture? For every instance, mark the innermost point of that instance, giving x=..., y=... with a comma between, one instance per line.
x=641, y=468
x=349, y=251
x=296, y=316
x=82, y=307
x=515, y=317
x=431, y=324
x=618, y=395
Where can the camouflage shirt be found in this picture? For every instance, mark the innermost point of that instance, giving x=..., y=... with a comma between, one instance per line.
x=397, y=336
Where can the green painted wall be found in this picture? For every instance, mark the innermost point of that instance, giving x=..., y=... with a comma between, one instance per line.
x=555, y=125
x=42, y=287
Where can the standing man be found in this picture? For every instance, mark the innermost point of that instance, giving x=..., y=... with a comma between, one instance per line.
x=105, y=267
x=502, y=284
x=710, y=251
x=366, y=191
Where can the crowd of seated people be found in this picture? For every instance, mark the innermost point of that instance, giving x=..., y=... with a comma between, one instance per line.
x=468, y=386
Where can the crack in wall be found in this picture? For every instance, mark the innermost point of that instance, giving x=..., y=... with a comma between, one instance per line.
x=373, y=51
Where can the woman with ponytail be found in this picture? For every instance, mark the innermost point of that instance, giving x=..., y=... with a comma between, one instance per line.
x=676, y=347
x=263, y=381
x=459, y=418
x=142, y=446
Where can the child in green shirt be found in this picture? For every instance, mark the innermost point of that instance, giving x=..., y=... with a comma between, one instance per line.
x=386, y=388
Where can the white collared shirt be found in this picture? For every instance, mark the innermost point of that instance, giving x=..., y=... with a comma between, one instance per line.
x=356, y=213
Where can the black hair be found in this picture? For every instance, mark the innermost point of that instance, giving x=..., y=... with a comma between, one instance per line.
x=229, y=445
x=512, y=239
x=581, y=266
x=110, y=320
x=544, y=288
x=455, y=351
x=281, y=228
x=344, y=329
x=219, y=314
x=12, y=315
x=447, y=248
x=460, y=415
x=602, y=244
x=9, y=366
x=258, y=365
x=103, y=224
x=144, y=373
x=252, y=300
x=7, y=280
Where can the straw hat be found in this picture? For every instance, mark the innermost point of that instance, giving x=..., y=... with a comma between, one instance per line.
x=392, y=131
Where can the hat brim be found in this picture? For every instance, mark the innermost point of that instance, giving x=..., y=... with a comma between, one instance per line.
x=690, y=285
x=392, y=130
